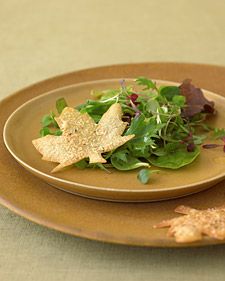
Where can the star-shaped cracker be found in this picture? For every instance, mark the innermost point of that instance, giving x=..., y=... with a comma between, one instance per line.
x=82, y=137
x=195, y=224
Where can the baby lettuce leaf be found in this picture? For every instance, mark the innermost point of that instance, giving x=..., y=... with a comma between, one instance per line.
x=146, y=131
x=137, y=125
x=152, y=106
x=149, y=84
x=179, y=101
x=106, y=94
x=169, y=92
x=46, y=120
x=49, y=120
x=44, y=131
x=60, y=105
x=143, y=129
x=95, y=108
x=122, y=160
x=175, y=159
x=218, y=133
x=82, y=164
x=145, y=174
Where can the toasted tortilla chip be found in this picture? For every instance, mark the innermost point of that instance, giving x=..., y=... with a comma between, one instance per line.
x=195, y=223
x=82, y=137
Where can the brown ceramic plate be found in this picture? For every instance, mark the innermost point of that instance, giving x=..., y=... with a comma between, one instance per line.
x=24, y=125
x=124, y=223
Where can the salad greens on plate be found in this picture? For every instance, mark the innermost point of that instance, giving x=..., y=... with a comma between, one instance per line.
x=169, y=123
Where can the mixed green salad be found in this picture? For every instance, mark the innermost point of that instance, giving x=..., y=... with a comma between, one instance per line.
x=169, y=124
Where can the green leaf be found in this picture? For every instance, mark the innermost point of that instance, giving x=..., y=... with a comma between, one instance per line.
x=102, y=167
x=95, y=108
x=57, y=133
x=171, y=147
x=140, y=150
x=106, y=94
x=121, y=155
x=131, y=162
x=176, y=159
x=152, y=105
x=219, y=133
x=179, y=100
x=49, y=120
x=82, y=164
x=144, y=175
x=149, y=84
x=146, y=132
x=60, y=105
x=97, y=94
x=143, y=127
x=159, y=151
x=54, y=123
x=137, y=125
x=198, y=139
x=46, y=120
x=44, y=131
x=96, y=117
x=169, y=92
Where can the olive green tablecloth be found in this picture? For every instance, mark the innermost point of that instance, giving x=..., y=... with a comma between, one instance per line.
x=39, y=39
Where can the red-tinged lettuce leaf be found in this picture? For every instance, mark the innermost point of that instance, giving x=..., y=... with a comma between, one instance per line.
x=195, y=100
